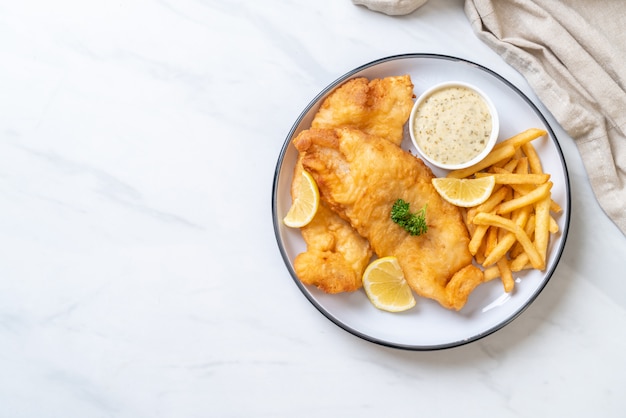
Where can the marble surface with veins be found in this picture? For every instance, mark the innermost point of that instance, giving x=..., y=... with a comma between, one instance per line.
x=140, y=275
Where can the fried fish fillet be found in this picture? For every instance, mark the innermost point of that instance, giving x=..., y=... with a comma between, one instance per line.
x=377, y=107
x=361, y=176
x=336, y=254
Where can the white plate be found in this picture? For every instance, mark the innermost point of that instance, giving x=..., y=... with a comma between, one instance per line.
x=428, y=326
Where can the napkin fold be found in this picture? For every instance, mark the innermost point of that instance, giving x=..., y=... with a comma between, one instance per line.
x=391, y=7
x=573, y=56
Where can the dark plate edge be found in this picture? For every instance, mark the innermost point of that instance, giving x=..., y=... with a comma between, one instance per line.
x=302, y=287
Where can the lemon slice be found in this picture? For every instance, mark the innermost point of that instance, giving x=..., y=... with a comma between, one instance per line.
x=305, y=204
x=386, y=287
x=465, y=192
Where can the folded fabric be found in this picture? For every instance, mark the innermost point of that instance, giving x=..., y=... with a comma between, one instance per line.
x=572, y=55
x=391, y=7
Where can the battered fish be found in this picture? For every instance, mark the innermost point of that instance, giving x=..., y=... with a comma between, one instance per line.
x=377, y=107
x=360, y=177
x=336, y=254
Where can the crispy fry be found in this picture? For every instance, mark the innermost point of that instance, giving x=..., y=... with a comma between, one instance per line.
x=554, y=207
x=533, y=158
x=542, y=226
x=522, y=166
x=495, y=220
x=480, y=254
x=504, y=244
x=554, y=226
x=503, y=177
x=496, y=155
x=477, y=238
x=493, y=200
x=491, y=240
x=510, y=231
x=505, y=274
x=521, y=138
x=520, y=263
x=529, y=228
x=498, y=195
x=468, y=224
x=491, y=273
x=536, y=195
x=516, y=265
x=508, y=166
x=499, y=251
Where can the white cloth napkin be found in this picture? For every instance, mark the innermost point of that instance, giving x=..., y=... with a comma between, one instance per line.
x=573, y=54
x=391, y=7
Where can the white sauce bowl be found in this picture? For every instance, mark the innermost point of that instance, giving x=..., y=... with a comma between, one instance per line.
x=441, y=130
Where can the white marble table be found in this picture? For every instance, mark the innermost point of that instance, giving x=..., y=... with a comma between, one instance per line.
x=140, y=276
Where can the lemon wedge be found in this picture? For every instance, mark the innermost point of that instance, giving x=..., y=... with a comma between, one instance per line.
x=386, y=287
x=305, y=204
x=465, y=192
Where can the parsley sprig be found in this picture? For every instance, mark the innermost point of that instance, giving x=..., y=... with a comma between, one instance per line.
x=413, y=223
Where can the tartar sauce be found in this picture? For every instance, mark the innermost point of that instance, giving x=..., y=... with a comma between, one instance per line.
x=452, y=125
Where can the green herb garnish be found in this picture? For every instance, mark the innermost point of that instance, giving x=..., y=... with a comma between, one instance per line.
x=413, y=223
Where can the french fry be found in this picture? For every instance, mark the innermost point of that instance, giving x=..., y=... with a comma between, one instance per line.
x=505, y=274
x=494, y=156
x=520, y=263
x=533, y=158
x=510, y=231
x=529, y=228
x=516, y=265
x=522, y=166
x=480, y=254
x=491, y=273
x=534, y=196
x=521, y=138
x=542, y=226
x=503, y=177
x=522, y=189
x=497, y=196
x=494, y=200
x=491, y=240
x=499, y=251
x=529, y=248
x=554, y=226
x=477, y=238
x=554, y=207
x=508, y=166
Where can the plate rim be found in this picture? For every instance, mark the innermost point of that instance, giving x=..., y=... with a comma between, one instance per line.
x=412, y=347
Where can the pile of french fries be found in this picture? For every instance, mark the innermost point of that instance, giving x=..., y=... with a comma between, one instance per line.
x=510, y=231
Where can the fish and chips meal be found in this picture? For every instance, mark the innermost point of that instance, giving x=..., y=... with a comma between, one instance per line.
x=374, y=216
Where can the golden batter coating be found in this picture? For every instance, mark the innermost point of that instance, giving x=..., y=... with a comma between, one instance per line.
x=361, y=176
x=377, y=107
x=336, y=254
